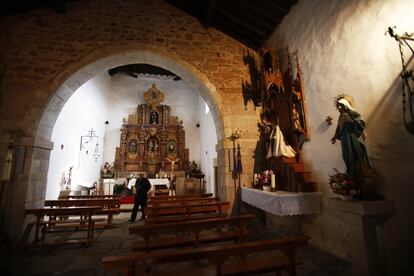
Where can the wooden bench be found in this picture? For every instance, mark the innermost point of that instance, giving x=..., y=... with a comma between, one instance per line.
x=194, y=234
x=184, y=201
x=110, y=206
x=84, y=213
x=164, y=214
x=88, y=196
x=175, y=197
x=52, y=225
x=142, y=263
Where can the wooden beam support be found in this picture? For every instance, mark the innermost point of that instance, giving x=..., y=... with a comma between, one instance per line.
x=274, y=17
x=208, y=18
x=276, y=6
x=242, y=23
x=256, y=16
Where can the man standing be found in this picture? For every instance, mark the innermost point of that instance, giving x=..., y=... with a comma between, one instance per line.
x=142, y=186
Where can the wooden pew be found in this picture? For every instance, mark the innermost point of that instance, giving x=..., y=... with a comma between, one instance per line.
x=164, y=214
x=89, y=196
x=85, y=214
x=110, y=206
x=184, y=201
x=194, y=232
x=142, y=263
x=175, y=197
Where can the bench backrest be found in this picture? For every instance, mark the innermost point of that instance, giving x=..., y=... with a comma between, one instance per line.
x=184, y=201
x=217, y=253
x=88, y=196
x=195, y=225
x=107, y=203
x=188, y=209
x=175, y=197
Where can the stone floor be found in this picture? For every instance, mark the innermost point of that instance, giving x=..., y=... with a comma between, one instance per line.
x=81, y=260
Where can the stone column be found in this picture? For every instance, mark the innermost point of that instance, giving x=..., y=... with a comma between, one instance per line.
x=365, y=220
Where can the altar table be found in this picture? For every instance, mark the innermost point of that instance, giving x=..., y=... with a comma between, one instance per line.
x=282, y=203
x=159, y=181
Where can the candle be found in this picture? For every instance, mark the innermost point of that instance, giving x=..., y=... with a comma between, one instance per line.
x=165, y=175
x=255, y=179
x=273, y=181
x=156, y=176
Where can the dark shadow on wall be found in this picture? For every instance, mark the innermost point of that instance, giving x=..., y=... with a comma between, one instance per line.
x=392, y=155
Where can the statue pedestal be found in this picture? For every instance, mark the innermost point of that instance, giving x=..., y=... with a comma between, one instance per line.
x=366, y=220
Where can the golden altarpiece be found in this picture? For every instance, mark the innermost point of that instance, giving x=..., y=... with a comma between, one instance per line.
x=152, y=140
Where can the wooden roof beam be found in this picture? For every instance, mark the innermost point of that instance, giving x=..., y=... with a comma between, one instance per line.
x=276, y=6
x=247, y=25
x=266, y=14
x=253, y=16
x=208, y=18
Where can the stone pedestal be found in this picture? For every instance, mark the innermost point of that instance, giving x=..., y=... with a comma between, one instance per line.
x=365, y=220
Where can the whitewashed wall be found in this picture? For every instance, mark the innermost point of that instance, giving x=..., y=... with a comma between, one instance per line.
x=106, y=98
x=208, y=141
x=343, y=49
x=85, y=110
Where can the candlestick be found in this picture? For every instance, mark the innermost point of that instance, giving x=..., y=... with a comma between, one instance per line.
x=273, y=181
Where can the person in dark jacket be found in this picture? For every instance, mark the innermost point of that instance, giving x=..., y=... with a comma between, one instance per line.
x=142, y=186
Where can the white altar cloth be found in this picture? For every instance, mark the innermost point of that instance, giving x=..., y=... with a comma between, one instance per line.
x=159, y=181
x=283, y=203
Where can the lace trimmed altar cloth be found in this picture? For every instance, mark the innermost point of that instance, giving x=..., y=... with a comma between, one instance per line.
x=159, y=181
x=283, y=203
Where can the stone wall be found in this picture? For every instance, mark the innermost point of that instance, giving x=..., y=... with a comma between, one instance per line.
x=46, y=56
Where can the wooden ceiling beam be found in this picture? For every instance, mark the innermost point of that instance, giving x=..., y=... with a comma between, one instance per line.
x=264, y=13
x=251, y=16
x=242, y=23
x=276, y=6
x=208, y=18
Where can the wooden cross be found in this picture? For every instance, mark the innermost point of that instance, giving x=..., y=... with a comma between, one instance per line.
x=172, y=163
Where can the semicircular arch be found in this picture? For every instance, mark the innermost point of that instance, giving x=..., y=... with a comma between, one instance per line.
x=104, y=59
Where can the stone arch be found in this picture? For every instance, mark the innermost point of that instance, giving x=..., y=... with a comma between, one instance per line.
x=64, y=85
x=104, y=59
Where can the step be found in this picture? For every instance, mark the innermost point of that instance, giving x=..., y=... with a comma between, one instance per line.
x=297, y=167
x=303, y=176
x=289, y=160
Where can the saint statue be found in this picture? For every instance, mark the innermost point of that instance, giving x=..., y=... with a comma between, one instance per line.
x=153, y=118
x=350, y=131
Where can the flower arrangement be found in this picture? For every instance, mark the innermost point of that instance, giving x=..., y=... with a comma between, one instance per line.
x=343, y=184
x=263, y=179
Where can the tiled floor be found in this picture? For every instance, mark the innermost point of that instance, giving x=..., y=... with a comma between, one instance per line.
x=80, y=260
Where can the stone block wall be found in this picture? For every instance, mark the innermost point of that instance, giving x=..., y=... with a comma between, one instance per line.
x=46, y=56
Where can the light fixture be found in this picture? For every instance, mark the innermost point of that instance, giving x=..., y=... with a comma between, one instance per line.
x=407, y=78
x=85, y=139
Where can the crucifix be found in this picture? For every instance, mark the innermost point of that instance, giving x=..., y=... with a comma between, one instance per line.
x=172, y=187
x=172, y=164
